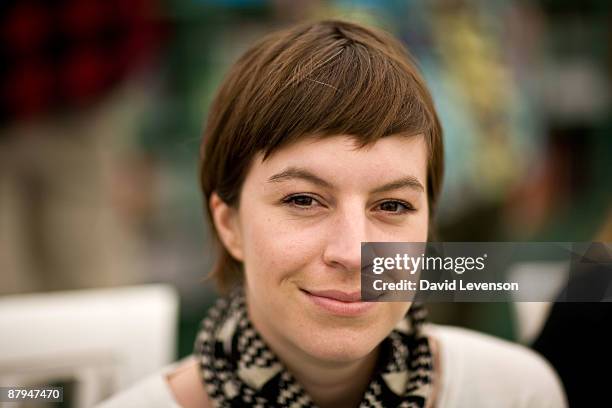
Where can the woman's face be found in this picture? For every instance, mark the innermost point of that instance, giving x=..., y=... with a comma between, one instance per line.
x=302, y=217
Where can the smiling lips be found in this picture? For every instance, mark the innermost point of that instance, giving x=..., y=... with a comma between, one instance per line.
x=339, y=303
x=338, y=295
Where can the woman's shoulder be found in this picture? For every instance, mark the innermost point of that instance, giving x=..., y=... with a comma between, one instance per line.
x=175, y=386
x=476, y=366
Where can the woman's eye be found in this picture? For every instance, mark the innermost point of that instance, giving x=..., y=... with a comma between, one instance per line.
x=302, y=201
x=397, y=207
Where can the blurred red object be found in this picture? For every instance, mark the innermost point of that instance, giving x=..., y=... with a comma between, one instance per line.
x=67, y=54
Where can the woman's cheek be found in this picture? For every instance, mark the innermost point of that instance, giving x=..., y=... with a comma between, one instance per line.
x=286, y=256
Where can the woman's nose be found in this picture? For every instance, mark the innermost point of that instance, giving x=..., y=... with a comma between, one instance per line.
x=344, y=237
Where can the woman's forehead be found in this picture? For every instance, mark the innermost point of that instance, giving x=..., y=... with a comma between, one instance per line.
x=340, y=160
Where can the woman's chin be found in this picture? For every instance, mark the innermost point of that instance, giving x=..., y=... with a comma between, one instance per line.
x=336, y=349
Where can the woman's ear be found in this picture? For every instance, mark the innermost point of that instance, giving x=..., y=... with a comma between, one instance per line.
x=227, y=224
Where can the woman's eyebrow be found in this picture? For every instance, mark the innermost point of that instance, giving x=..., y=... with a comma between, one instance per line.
x=410, y=182
x=299, y=173
x=289, y=173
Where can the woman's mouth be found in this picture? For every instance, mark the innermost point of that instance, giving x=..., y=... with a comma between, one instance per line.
x=338, y=302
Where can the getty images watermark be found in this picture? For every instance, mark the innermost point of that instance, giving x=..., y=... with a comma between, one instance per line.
x=486, y=271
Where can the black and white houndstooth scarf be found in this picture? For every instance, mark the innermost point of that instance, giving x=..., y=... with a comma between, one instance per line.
x=238, y=369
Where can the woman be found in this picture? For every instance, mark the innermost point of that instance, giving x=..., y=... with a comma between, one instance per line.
x=321, y=137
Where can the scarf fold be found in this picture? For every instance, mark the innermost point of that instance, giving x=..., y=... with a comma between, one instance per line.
x=239, y=369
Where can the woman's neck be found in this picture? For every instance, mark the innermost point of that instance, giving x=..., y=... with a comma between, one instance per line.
x=337, y=384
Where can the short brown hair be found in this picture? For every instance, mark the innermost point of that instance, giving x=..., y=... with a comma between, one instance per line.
x=319, y=79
